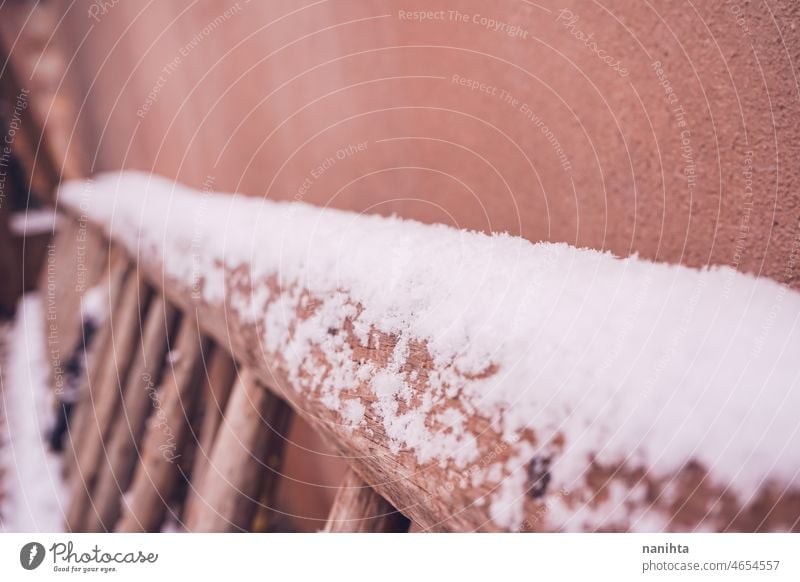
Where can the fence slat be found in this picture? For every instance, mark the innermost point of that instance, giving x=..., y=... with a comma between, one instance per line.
x=359, y=509
x=97, y=360
x=106, y=396
x=245, y=458
x=217, y=387
x=145, y=504
x=123, y=445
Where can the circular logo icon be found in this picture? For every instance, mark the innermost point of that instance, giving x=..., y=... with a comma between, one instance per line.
x=31, y=555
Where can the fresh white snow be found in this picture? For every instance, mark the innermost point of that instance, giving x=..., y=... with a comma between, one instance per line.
x=94, y=304
x=34, y=492
x=33, y=222
x=627, y=360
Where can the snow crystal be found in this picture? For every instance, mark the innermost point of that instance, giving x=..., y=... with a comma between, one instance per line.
x=353, y=412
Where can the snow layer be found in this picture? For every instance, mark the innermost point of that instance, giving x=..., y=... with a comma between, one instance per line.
x=33, y=222
x=32, y=474
x=627, y=360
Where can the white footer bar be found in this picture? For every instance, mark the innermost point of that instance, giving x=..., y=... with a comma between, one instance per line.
x=406, y=557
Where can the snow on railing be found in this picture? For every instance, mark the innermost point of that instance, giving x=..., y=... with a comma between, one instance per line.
x=485, y=382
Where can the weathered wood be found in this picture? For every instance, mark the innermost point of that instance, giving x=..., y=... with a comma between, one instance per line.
x=436, y=497
x=127, y=432
x=244, y=461
x=97, y=359
x=105, y=398
x=358, y=509
x=217, y=386
x=427, y=494
x=168, y=429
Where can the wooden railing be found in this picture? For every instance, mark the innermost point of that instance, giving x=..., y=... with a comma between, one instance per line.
x=164, y=406
x=382, y=351
x=119, y=443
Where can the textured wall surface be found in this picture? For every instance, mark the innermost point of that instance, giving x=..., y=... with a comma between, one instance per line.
x=666, y=129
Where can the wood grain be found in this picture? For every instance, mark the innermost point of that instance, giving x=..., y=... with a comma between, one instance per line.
x=146, y=503
x=358, y=509
x=245, y=459
x=123, y=446
x=96, y=361
x=216, y=390
x=105, y=400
